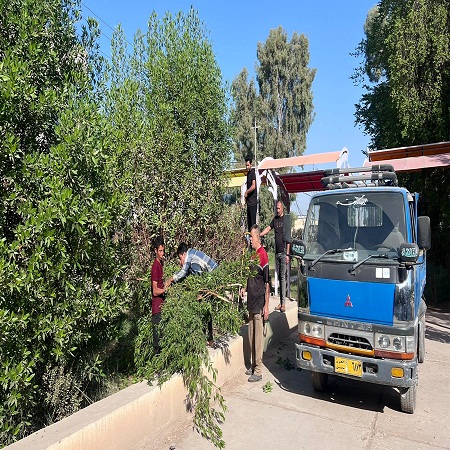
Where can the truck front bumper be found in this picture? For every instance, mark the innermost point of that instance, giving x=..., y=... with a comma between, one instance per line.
x=374, y=370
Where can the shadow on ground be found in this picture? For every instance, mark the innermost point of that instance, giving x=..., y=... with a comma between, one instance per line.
x=280, y=362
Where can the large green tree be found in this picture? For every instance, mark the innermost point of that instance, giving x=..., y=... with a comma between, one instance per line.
x=285, y=82
x=406, y=61
x=244, y=115
x=169, y=104
x=283, y=105
x=61, y=218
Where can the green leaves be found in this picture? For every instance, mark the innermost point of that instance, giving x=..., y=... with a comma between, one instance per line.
x=93, y=165
x=406, y=52
x=167, y=101
x=184, y=316
x=283, y=107
x=61, y=270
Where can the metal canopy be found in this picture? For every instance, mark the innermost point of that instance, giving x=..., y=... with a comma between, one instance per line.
x=414, y=158
x=294, y=161
x=292, y=183
x=403, y=159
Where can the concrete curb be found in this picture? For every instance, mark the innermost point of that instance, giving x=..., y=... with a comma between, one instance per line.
x=122, y=420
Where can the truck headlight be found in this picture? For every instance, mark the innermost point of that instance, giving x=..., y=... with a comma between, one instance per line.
x=384, y=341
x=391, y=342
x=312, y=329
x=317, y=330
x=398, y=344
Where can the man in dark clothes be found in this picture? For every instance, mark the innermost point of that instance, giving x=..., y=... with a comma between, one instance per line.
x=281, y=252
x=258, y=293
x=251, y=197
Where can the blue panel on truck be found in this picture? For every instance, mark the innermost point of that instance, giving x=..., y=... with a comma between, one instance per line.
x=352, y=300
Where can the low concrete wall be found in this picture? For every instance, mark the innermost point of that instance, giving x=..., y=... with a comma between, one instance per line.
x=122, y=420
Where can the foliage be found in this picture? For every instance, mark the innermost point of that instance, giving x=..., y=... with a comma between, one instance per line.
x=169, y=109
x=62, y=256
x=183, y=348
x=92, y=166
x=283, y=107
x=285, y=81
x=267, y=387
x=243, y=116
x=267, y=212
x=167, y=102
x=63, y=393
x=406, y=58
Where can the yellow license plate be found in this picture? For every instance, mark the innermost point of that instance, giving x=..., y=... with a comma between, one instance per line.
x=348, y=366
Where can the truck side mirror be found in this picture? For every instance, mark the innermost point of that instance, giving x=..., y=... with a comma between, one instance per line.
x=409, y=252
x=424, y=232
x=298, y=248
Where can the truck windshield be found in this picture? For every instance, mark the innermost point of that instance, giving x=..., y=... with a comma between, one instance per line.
x=360, y=223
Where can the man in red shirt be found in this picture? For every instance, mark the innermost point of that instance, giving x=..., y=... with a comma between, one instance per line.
x=158, y=292
x=258, y=293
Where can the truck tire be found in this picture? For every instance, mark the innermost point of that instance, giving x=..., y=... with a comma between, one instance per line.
x=408, y=399
x=319, y=381
x=421, y=339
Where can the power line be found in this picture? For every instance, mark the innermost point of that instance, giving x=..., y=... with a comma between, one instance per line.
x=102, y=21
x=107, y=37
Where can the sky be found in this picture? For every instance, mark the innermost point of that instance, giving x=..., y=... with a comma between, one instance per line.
x=333, y=28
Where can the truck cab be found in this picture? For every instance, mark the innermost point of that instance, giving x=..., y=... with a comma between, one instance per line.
x=362, y=266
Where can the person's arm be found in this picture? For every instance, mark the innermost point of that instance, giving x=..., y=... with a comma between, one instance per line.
x=267, y=286
x=251, y=188
x=265, y=231
x=288, y=250
x=156, y=290
x=184, y=270
x=210, y=264
x=266, y=303
x=168, y=282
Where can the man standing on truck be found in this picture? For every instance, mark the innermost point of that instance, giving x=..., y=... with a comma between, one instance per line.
x=258, y=293
x=250, y=195
x=281, y=252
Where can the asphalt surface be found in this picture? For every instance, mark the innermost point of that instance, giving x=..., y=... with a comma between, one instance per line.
x=349, y=414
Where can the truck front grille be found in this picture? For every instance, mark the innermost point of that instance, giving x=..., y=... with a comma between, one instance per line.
x=345, y=340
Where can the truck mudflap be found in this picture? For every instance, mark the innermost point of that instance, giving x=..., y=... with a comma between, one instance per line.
x=372, y=370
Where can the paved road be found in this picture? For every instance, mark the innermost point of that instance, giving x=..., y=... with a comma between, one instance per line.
x=349, y=414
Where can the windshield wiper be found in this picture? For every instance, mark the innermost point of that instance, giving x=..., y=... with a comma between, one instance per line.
x=328, y=252
x=355, y=266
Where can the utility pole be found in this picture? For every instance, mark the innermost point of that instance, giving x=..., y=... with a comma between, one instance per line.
x=255, y=128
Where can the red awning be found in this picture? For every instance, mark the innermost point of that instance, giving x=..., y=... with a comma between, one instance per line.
x=303, y=181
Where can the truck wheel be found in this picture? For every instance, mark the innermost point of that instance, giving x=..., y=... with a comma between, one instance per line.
x=408, y=399
x=319, y=381
x=421, y=344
